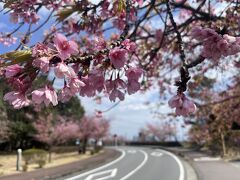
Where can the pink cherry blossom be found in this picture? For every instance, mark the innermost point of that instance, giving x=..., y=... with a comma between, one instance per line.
x=130, y=46
x=119, y=83
x=216, y=45
x=17, y=99
x=75, y=85
x=20, y=82
x=12, y=70
x=62, y=70
x=88, y=90
x=100, y=43
x=140, y=2
x=42, y=63
x=133, y=86
x=6, y=39
x=118, y=57
x=65, y=94
x=113, y=88
x=46, y=95
x=134, y=73
x=65, y=48
x=183, y=105
x=116, y=94
x=40, y=50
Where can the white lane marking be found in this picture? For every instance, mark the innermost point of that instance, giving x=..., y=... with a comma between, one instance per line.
x=132, y=151
x=235, y=165
x=112, y=172
x=157, y=154
x=181, y=176
x=137, y=168
x=99, y=168
x=207, y=159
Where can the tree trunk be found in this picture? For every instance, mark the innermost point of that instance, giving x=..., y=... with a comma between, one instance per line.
x=223, y=144
x=50, y=155
x=84, y=146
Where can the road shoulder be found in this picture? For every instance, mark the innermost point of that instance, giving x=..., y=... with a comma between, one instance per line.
x=67, y=169
x=191, y=172
x=206, y=166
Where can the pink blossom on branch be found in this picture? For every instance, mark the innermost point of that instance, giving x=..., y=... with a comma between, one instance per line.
x=140, y=2
x=133, y=86
x=118, y=57
x=65, y=48
x=116, y=94
x=134, y=73
x=42, y=63
x=45, y=95
x=12, y=70
x=62, y=70
x=183, y=105
x=216, y=45
x=7, y=40
x=130, y=46
x=75, y=85
x=17, y=99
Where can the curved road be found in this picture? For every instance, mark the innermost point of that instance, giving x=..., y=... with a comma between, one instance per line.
x=137, y=163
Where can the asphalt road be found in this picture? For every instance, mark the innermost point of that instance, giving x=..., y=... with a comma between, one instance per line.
x=137, y=163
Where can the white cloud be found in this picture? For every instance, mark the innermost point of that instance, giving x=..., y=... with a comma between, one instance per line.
x=131, y=114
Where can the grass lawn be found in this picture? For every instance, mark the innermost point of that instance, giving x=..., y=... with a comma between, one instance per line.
x=8, y=162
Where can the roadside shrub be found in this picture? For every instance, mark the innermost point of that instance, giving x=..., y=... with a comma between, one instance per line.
x=25, y=167
x=41, y=163
x=38, y=156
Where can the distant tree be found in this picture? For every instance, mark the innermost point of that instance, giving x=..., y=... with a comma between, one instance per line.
x=215, y=117
x=55, y=131
x=92, y=127
x=161, y=131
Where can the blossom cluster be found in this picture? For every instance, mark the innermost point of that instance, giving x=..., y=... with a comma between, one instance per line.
x=183, y=106
x=7, y=40
x=27, y=9
x=216, y=45
x=85, y=78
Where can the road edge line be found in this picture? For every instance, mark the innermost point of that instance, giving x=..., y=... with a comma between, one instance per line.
x=181, y=168
x=101, y=167
x=137, y=168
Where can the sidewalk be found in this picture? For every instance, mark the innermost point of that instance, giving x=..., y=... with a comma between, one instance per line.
x=209, y=168
x=63, y=170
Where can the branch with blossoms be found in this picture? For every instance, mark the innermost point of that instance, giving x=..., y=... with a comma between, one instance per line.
x=183, y=105
x=99, y=48
x=63, y=58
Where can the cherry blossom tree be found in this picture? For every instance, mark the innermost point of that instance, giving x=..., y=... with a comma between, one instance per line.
x=162, y=132
x=214, y=121
x=92, y=127
x=117, y=47
x=55, y=131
